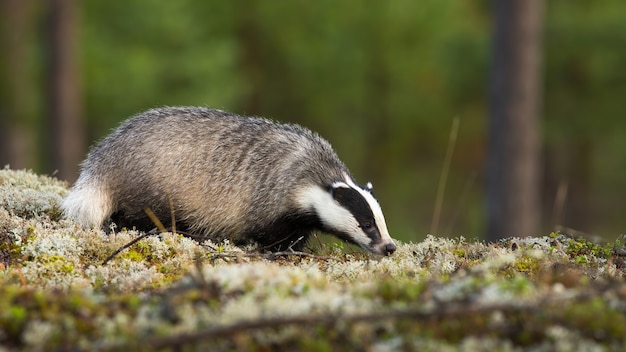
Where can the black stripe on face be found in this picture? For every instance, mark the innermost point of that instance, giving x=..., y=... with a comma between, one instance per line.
x=352, y=200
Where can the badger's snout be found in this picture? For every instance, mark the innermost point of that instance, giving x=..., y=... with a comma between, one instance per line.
x=389, y=248
x=385, y=249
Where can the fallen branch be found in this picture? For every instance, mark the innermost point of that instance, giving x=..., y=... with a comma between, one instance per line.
x=421, y=315
x=270, y=255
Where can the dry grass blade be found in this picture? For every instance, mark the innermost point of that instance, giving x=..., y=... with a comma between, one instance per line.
x=443, y=179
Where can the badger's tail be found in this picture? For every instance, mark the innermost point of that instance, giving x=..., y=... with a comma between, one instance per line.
x=89, y=203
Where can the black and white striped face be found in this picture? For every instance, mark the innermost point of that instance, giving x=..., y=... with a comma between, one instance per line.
x=351, y=213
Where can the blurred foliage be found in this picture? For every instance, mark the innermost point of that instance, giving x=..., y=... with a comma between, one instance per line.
x=584, y=111
x=381, y=81
x=374, y=79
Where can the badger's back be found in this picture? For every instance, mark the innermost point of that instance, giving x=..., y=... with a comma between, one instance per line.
x=223, y=175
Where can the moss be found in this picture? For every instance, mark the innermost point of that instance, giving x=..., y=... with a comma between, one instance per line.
x=170, y=292
x=581, y=248
x=133, y=255
x=526, y=264
x=58, y=262
x=398, y=291
x=10, y=251
x=518, y=285
x=13, y=318
x=596, y=319
x=459, y=252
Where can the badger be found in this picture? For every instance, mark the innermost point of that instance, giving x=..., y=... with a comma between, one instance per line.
x=225, y=176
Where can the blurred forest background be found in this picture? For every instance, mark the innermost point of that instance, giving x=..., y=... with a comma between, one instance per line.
x=383, y=81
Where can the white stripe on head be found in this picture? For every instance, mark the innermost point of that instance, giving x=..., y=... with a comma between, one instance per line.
x=336, y=218
x=376, y=209
x=331, y=214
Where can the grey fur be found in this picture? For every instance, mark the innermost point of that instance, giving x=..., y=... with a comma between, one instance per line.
x=227, y=176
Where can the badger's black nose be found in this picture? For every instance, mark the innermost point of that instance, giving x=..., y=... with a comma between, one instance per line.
x=390, y=248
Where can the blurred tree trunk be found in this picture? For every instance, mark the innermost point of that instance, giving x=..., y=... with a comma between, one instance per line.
x=16, y=139
x=66, y=133
x=513, y=183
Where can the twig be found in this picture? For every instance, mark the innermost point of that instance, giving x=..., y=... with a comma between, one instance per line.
x=319, y=241
x=271, y=245
x=172, y=213
x=575, y=234
x=270, y=255
x=135, y=240
x=558, y=208
x=290, y=248
x=155, y=219
x=415, y=314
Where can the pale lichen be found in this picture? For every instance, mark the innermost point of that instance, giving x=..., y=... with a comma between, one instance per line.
x=26, y=194
x=171, y=291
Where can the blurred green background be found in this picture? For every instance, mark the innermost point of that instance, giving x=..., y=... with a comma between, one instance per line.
x=382, y=81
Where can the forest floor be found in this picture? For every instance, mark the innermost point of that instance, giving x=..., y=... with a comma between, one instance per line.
x=167, y=291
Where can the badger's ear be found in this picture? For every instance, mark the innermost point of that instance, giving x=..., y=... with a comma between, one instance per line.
x=369, y=187
x=337, y=189
x=338, y=185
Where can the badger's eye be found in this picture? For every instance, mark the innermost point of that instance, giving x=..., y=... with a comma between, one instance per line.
x=367, y=225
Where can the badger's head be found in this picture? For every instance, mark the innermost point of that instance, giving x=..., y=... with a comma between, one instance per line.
x=351, y=213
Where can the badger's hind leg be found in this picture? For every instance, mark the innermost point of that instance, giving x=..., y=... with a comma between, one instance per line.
x=88, y=203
